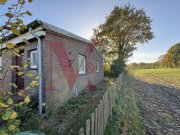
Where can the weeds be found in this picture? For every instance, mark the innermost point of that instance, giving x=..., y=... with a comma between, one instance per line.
x=69, y=118
x=126, y=117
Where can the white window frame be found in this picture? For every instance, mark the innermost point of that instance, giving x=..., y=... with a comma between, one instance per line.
x=33, y=64
x=97, y=66
x=82, y=64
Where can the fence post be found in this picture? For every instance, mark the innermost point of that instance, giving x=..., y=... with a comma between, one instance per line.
x=110, y=100
x=81, y=131
x=92, y=124
x=99, y=119
x=117, y=87
x=103, y=110
x=96, y=122
x=114, y=94
x=88, y=127
x=121, y=78
x=107, y=104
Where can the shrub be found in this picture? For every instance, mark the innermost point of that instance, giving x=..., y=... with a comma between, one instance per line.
x=26, y=111
x=117, y=67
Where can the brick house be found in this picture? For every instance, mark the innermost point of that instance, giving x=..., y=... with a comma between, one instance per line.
x=68, y=63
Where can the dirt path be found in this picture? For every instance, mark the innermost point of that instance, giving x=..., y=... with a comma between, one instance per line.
x=160, y=108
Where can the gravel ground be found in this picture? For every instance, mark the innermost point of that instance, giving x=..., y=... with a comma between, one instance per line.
x=160, y=108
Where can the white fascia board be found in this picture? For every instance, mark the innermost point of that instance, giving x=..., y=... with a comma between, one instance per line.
x=38, y=31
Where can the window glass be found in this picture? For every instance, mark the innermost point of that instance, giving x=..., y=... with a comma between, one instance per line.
x=97, y=66
x=82, y=64
x=33, y=59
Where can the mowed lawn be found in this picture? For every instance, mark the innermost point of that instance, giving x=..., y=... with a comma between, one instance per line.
x=167, y=77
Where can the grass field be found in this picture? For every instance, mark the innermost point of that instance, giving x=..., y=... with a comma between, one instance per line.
x=167, y=77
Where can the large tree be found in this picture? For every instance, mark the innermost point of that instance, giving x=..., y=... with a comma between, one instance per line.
x=117, y=37
x=172, y=58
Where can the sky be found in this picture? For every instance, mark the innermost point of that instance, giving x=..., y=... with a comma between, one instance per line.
x=81, y=16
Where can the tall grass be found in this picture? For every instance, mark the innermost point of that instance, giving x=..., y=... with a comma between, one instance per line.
x=126, y=117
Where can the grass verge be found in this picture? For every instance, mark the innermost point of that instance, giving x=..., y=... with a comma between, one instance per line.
x=126, y=117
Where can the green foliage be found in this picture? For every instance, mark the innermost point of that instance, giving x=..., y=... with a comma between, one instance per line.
x=12, y=26
x=9, y=117
x=26, y=111
x=69, y=118
x=117, y=67
x=126, y=118
x=124, y=27
x=172, y=58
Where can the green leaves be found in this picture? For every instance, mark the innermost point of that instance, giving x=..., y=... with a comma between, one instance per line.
x=10, y=45
x=2, y=132
x=6, y=115
x=19, y=21
x=27, y=99
x=10, y=15
x=28, y=13
x=20, y=73
x=15, y=31
x=25, y=41
x=34, y=83
x=23, y=27
x=122, y=30
x=30, y=1
x=10, y=101
x=12, y=127
x=13, y=25
x=29, y=74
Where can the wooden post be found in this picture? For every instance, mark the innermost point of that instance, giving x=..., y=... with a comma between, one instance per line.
x=92, y=124
x=110, y=100
x=96, y=122
x=103, y=110
x=88, y=127
x=99, y=119
x=81, y=131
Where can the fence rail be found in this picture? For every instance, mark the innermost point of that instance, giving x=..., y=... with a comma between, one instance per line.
x=96, y=124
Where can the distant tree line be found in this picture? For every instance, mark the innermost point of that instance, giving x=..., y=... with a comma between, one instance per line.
x=170, y=60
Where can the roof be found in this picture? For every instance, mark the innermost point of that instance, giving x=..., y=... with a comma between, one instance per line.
x=56, y=29
x=62, y=31
x=36, y=23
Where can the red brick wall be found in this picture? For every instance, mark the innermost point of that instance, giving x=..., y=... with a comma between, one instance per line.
x=60, y=78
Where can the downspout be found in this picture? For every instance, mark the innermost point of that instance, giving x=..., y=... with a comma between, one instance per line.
x=39, y=49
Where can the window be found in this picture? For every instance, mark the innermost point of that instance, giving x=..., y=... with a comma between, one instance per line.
x=97, y=66
x=82, y=64
x=33, y=59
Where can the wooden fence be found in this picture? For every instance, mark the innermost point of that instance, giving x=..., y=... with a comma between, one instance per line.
x=96, y=124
